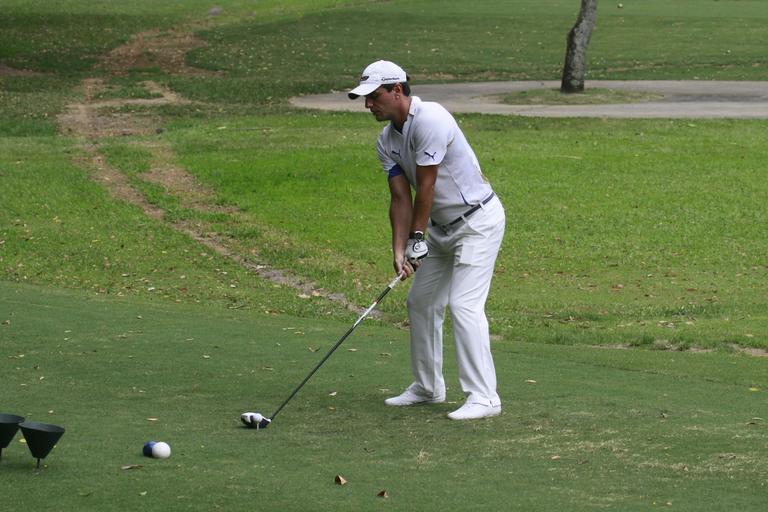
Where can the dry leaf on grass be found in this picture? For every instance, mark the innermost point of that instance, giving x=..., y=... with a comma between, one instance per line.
x=340, y=480
x=383, y=494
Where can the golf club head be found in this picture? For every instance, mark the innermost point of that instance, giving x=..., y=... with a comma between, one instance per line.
x=254, y=420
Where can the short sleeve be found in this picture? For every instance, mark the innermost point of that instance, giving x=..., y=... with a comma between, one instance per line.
x=431, y=137
x=381, y=151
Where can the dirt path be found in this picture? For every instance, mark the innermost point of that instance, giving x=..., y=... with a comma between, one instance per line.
x=97, y=121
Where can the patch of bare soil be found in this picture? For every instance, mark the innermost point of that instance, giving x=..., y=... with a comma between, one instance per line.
x=97, y=120
x=164, y=171
x=155, y=49
x=755, y=352
x=94, y=119
x=9, y=71
x=115, y=181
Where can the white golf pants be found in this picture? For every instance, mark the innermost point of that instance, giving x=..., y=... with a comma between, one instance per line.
x=457, y=274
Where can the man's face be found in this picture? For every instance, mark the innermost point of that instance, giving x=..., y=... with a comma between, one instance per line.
x=382, y=103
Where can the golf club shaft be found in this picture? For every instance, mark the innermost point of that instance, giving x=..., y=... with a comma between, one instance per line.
x=362, y=317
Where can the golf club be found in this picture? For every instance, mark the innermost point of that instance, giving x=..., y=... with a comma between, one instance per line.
x=257, y=420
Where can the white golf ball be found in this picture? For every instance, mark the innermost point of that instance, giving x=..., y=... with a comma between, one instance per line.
x=161, y=450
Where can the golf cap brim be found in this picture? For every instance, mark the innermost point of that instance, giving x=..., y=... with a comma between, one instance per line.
x=362, y=90
x=381, y=72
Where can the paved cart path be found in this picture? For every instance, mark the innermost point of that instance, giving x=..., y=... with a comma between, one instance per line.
x=681, y=99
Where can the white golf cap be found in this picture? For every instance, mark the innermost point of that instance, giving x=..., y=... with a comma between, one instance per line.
x=379, y=73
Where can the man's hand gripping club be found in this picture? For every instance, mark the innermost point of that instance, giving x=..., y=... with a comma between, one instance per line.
x=416, y=249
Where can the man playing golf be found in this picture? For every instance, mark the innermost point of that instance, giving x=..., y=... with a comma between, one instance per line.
x=450, y=230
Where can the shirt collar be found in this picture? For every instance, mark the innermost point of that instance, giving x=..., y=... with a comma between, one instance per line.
x=415, y=104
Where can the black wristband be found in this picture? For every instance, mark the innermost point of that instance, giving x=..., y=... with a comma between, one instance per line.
x=416, y=235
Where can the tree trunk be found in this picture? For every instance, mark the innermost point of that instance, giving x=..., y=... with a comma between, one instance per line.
x=575, y=68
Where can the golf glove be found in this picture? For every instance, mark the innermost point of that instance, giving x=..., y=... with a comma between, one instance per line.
x=416, y=248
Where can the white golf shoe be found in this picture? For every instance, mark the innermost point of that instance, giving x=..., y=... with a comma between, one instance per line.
x=411, y=397
x=475, y=411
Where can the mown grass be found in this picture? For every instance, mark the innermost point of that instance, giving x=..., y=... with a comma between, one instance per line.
x=61, y=228
x=479, y=40
x=636, y=232
x=644, y=233
x=583, y=429
x=618, y=231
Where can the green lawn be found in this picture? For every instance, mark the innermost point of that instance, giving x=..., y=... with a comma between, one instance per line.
x=582, y=428
x=635, y=232
x=618, y=231
x=639, y=234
